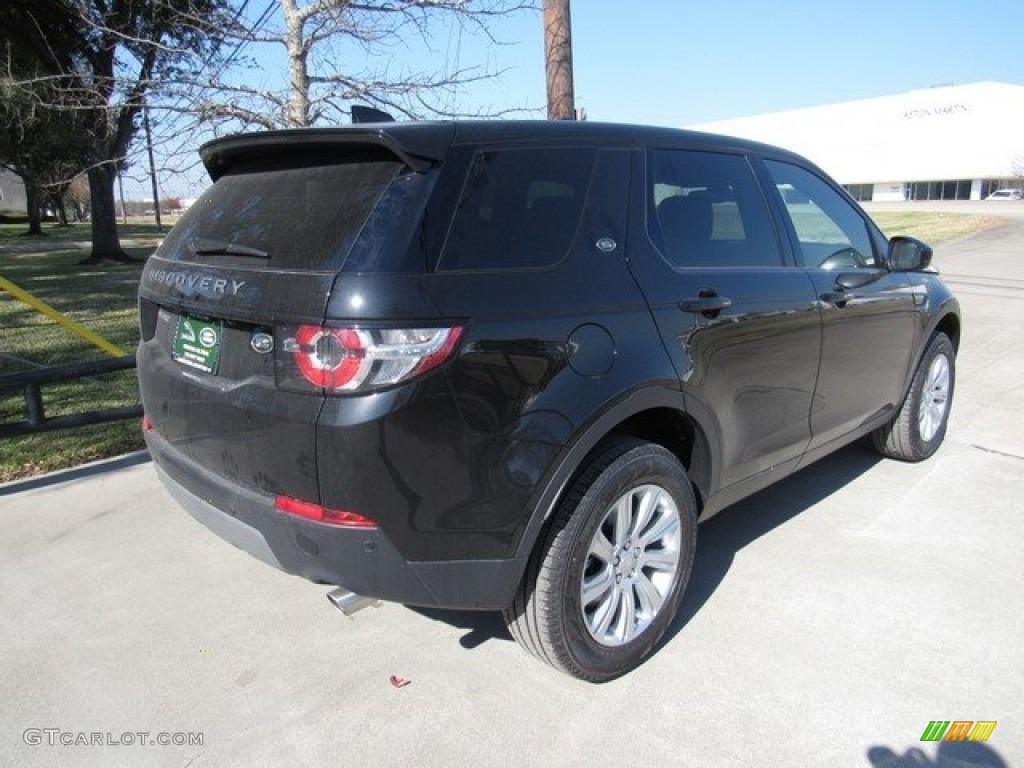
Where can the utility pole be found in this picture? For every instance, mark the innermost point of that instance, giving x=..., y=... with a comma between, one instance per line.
x=558, y=57
x=120, y=186
x=152, y=169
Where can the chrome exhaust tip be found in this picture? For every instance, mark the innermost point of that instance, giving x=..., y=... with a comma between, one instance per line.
x=349, y=602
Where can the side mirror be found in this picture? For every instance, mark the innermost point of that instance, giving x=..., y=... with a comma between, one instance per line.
x=908, y=254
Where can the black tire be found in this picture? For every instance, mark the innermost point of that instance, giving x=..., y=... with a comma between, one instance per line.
x=551, y=618
x=919, y=427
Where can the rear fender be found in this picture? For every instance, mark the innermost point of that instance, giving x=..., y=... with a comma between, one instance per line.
x=573, y=458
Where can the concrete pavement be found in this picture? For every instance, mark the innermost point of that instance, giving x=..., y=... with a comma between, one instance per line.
x=829, y=620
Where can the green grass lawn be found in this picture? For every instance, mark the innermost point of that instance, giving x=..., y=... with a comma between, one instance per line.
x=100, y=298
x=103, y=299
x=932, y=228
x=136, y=228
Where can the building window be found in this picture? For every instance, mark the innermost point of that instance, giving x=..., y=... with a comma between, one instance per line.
x=955, y=189
x=860, y=192
x=988, y=186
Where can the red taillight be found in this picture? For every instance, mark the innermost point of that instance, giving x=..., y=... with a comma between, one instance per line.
x=358, y=359
x=321, y=514
x=147, y=425
x=330, y=357
x=436, y=358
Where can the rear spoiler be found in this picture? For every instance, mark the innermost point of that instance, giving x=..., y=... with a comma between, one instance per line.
x=419, y=145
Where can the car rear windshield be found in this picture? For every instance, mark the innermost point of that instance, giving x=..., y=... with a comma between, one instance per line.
x=299, y=214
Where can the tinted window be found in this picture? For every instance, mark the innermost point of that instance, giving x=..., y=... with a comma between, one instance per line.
x=519, y=208
x=301, y=217
x=830, y=232
x=705, y=209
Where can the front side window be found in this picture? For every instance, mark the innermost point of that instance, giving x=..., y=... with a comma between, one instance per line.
x=705, y=209
x=830, y=233
x=519, y=209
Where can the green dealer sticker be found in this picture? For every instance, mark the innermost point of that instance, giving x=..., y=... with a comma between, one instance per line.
x=197, y=343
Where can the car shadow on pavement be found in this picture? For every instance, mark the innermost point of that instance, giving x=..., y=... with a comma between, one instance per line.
x=480, y=626
x=732, y=529
x=718, y=540
x=951, y=754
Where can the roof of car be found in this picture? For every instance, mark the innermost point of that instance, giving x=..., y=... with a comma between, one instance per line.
x=421, y=144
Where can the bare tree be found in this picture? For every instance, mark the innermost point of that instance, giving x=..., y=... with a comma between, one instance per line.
x=78, y=194
x=43, y=146
x=1017, y=170
x=45, y=151
x=341, y=52
x=103, y=57
x=20, y=151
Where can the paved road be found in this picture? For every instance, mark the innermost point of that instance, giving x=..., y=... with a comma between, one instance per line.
x=830, y=618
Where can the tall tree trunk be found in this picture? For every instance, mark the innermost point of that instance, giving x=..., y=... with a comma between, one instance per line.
x=33, y=200
x=105, y=241
x=298, y=66
x=57, y=198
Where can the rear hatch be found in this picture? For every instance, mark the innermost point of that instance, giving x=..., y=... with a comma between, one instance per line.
x=252, y=260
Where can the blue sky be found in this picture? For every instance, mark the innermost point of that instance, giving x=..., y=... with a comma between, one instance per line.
x=683, y=62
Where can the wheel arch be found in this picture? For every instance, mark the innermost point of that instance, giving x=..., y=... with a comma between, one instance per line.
x=948, y=324
x=653, y=414
x=677, y=431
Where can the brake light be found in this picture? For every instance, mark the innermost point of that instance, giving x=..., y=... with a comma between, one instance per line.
x=356, y=359
x=330, y=357
x=321, y=514
x=147, y=425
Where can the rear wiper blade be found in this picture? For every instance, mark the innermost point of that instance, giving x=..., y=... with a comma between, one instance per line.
x=216, y=247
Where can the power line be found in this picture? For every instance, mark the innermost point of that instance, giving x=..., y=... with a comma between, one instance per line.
x=178, y=110
x=181, y=108
x=263, y=19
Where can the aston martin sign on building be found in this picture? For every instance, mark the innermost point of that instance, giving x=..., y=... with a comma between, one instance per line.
x=948, y=142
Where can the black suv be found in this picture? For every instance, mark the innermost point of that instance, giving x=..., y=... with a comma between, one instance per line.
x=509, y=365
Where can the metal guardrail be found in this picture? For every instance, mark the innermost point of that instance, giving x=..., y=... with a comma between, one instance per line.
x=30, y=382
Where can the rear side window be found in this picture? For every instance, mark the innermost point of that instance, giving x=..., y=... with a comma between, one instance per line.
x=705, y=209
x=291, y=216
x=519, y=209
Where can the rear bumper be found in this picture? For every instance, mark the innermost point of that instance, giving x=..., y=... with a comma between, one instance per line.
x=363, y=561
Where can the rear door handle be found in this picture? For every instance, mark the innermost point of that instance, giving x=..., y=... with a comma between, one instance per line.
x=704, y=304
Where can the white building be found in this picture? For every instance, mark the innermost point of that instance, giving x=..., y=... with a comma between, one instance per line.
x=943, y=143
x=12, y=193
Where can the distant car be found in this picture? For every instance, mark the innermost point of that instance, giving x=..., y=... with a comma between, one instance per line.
x=1006, y=194
x=508, y=365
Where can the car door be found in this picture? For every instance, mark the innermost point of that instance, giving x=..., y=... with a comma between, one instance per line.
x=868, y=324
x=741, y=326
